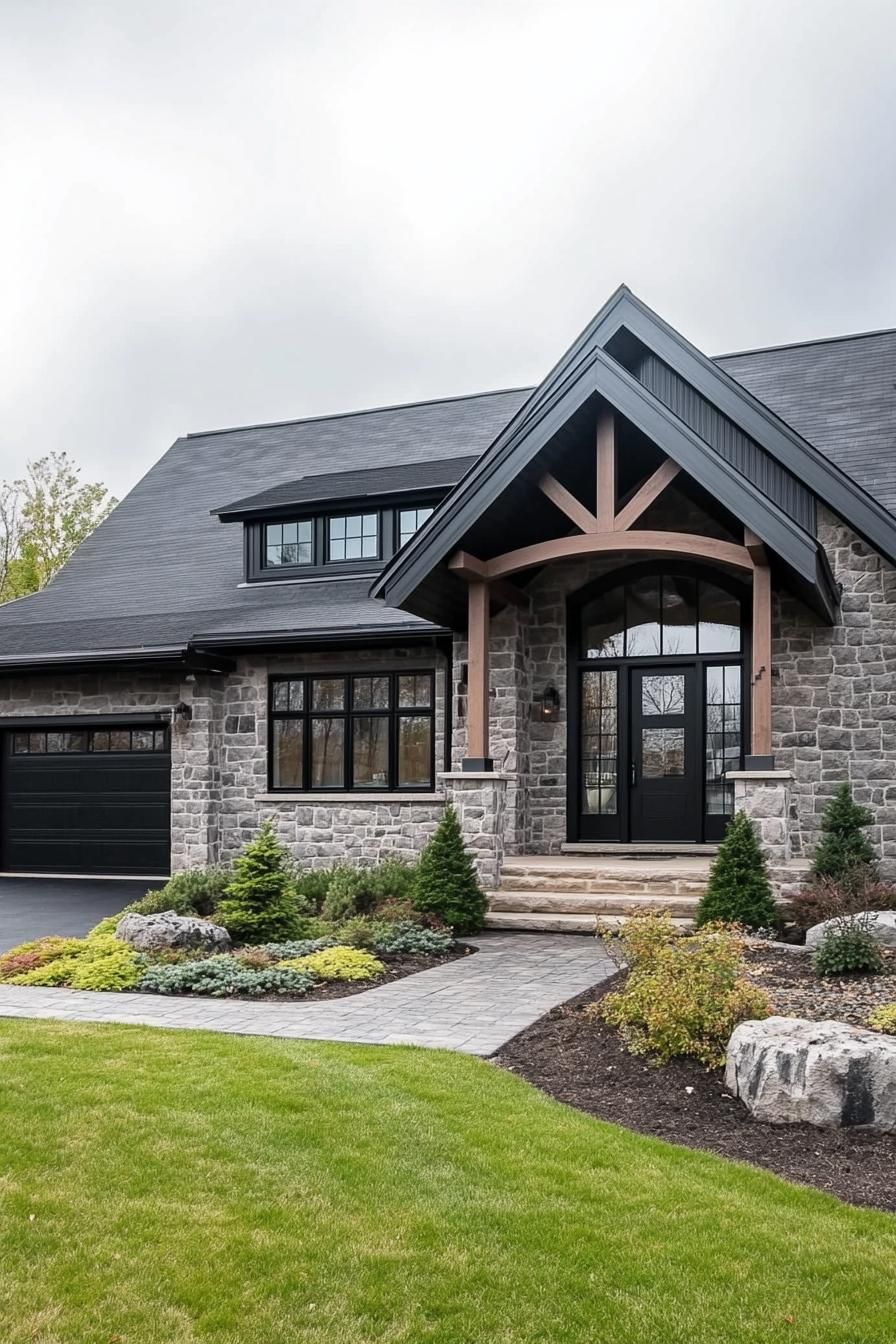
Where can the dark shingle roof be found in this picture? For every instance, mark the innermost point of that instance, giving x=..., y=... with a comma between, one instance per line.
x=405, y=478
x=162, y=569
x=839, y=394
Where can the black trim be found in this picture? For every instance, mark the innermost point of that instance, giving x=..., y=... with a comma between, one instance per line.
x=41, y=722
x=759, y=763
x=394, y=713
x=477, y=764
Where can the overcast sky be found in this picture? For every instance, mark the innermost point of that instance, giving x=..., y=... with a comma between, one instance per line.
x=216, y=213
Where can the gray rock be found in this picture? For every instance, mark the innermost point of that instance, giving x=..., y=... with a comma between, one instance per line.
x=881, y=924
x=153, y=933
x=789, y=1071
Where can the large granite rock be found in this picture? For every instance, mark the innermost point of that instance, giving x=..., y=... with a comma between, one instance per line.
x=787, y=1071
x=154, y=933
x=881, y=924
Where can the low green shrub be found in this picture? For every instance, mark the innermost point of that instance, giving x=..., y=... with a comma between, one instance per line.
x=413, y=939
x=296, y=947
x=683, y=996
x=391, y=880
x=446, y=884
x=224, y=977
x=341, y=900
x=884, y=1019
x=738, y=891
x=196, y=892
x=848, y=950
x=338, y=963
x=362, y=931
x=313, y=884
x=262, y=903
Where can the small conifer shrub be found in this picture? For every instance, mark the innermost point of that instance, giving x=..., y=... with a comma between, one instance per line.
x=262, y=903
x=844, y=853
x=739, y=891
x=446, y=884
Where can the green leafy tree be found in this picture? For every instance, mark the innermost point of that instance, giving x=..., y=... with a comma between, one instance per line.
x=446, y=884
x=262, y=903
x=739, y=891
x=844, y=853
x=44, y=517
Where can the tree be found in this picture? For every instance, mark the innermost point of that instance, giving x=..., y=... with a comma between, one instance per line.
x=844, y=853
x=739, y=891
x=44, y=517
x=261, y=903
x=446, y=883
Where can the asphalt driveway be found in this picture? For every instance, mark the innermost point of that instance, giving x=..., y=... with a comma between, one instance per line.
x=31, y=907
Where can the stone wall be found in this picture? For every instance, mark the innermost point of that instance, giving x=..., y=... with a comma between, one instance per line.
x=834, y=693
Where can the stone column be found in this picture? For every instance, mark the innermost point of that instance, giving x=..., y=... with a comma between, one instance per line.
x=479, y=798
x=765, y=797
x=196, y=778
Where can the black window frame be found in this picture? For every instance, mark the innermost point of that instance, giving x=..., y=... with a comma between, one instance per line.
x=394, y=713
x=160, y=732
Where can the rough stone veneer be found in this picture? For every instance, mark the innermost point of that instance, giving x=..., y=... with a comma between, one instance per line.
x=834, y=694
x=765, y=797
x=480, y=802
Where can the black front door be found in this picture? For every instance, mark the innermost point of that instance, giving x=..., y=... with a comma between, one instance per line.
x=665, y=786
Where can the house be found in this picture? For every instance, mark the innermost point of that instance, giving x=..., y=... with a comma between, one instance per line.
x=605, y=611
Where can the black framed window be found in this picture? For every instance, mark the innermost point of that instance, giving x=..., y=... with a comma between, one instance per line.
x=352, y=732
x=81, y=740
x=661, y=615
x=409, y=521
x=353, y=536
x=290, y=543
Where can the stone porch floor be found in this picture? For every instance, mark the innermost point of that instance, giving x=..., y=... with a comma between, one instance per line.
x=473, y=1005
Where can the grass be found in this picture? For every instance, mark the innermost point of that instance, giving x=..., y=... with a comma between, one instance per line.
x=175, y=1187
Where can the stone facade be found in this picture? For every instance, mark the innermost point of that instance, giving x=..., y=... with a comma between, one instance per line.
x=834, y=719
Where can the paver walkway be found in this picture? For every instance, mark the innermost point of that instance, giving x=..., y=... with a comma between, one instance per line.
x=474, y=1004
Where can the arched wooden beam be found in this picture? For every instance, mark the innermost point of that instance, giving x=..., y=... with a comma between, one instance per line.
x=608, y=543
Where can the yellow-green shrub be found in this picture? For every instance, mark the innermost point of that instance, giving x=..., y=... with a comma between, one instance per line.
x=683, y=996
x=100, y=961
x=337, y=963
x=884, y=1019
x=35, y=954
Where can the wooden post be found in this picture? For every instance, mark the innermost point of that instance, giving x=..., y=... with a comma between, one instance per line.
x=606, y=471
x=477, y=757
x=762, y=661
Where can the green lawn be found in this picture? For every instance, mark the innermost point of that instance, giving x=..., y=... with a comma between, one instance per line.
x=170, y=1186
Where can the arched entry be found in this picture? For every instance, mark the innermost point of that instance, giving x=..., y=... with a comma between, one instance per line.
x=657, y=701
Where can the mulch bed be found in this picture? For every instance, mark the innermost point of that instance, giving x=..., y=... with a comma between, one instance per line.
x=583, y=1062
x=796, y=991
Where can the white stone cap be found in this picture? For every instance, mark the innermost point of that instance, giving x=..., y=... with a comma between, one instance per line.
x=346, y=799
x=759, y=774
x=474, y=774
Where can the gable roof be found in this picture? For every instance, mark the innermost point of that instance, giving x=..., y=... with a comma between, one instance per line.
x=587, y=368
x=372, y=483
x=163, y=574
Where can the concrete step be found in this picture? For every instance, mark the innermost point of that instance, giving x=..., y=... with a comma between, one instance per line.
x=580, y=903
x=557, y=923
x=618, y=850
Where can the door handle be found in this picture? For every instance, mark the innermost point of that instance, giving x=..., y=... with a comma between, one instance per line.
x=634, y=774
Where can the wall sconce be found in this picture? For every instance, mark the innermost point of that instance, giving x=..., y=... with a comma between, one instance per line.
x=547, y=709
x=181, y=715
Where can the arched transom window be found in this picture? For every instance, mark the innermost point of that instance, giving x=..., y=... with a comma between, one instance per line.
x=661, y=614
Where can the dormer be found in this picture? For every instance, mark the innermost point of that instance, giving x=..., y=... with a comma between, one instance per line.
x=348, y=522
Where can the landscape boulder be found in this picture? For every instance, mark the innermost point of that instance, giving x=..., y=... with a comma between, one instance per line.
x=789, y=1071
x=155, y=933
x=881, y=924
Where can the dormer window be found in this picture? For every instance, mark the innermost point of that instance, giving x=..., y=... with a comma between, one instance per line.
x=289, y=543
x=354, y=536
x=409, y=520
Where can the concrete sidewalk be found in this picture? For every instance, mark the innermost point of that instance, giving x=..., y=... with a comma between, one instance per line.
x=474, y=1004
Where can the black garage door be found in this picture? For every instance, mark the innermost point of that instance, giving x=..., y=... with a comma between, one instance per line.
x=86, y=800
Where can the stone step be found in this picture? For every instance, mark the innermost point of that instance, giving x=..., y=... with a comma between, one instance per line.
x=617, y=850
x=633, y=881
x=598, y=903
x=559, y=923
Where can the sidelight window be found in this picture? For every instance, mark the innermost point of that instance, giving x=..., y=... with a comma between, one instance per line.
x=723, y=736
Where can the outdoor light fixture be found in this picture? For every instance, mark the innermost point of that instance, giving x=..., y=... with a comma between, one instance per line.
x=548, y=707
x=181, y=714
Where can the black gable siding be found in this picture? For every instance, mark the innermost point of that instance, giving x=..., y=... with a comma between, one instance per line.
x=775, y=481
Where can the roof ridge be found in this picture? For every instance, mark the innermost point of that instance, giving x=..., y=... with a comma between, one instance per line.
x=345, y=415
x=816, y=340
